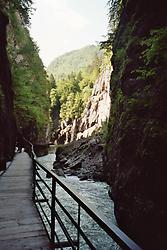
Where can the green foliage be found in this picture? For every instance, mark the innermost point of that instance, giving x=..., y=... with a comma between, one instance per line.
x=67, y=92
x=54, y=96
x=74, y=75
x=145, y=73
x=72, y=107
x=52, y=81
x=156, y=47
x=24, y=8
x=153, y=55
x=29, y=77
x=121, y=58
x=73, y=91
x=115, y=8
x=74, y=61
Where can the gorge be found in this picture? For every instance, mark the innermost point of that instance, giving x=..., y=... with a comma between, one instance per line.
x=131, y=104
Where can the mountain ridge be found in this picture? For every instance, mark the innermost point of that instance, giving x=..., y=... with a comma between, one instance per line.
x=73, y=61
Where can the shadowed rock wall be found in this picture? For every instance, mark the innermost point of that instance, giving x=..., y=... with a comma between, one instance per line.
x=137, y=145
x=7, y=121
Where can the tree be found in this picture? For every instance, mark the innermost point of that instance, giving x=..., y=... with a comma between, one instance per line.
x=23, y=7
x=29, y=78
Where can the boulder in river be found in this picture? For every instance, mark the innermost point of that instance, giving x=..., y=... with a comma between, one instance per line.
x=83, y=158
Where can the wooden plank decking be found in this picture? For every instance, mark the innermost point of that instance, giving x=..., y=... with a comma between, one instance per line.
x=20, y=225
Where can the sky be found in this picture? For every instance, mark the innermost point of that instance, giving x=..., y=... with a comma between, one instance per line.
x=59, y=26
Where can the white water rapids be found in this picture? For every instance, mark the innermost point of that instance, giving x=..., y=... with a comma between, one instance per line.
x=96, y=193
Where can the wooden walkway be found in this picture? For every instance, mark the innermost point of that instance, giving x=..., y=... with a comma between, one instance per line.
x=20, y=225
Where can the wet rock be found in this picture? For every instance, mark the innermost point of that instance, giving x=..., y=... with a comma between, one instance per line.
x=110, y=193
x=58, y=169
x=83, y=177
x=56, y=165
x=59, y=172
x=41, y=149
x=83, y=158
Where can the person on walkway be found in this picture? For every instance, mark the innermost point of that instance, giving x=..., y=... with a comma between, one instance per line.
x=20, y=142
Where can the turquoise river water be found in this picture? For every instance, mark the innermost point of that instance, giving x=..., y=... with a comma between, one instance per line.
x=96, y=193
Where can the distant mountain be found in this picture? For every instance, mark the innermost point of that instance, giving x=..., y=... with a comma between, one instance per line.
x=73, y=61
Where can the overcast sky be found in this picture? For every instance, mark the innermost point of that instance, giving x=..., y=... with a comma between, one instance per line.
x=59, y=26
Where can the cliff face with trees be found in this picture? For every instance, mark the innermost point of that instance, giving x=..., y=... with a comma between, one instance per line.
x=80, y=100
x=24, y=97
x=137, y=140
x=72, y=109
x=31, y=88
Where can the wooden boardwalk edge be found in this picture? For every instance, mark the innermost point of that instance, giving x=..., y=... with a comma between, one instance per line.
x=20, y=225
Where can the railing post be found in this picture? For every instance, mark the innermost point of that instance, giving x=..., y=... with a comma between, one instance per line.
x=78, y=231
x=53, y=211
x=34, y=179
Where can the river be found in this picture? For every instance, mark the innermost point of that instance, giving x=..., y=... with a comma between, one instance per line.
x=96, y=193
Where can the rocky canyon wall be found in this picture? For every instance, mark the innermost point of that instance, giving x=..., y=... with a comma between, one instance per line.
x=96, y=112
x=98, y=107
x=7, y=121
x=137, y=145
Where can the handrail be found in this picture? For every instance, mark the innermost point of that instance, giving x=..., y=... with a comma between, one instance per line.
x=118, y=235
x=30, y=152
x=112, y=230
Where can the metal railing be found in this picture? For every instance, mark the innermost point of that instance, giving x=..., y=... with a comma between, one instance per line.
x=46, y=200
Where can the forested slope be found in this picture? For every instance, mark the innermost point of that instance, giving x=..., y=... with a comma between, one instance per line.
x=74, y=61
x=24, y=97
x=69, y=94
x=31, y=97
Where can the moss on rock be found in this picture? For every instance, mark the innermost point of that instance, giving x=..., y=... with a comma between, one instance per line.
x=136, y=148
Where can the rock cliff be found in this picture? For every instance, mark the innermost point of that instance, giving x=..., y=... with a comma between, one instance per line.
x=137, y=146
x=96, y=112
x=7, y=121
